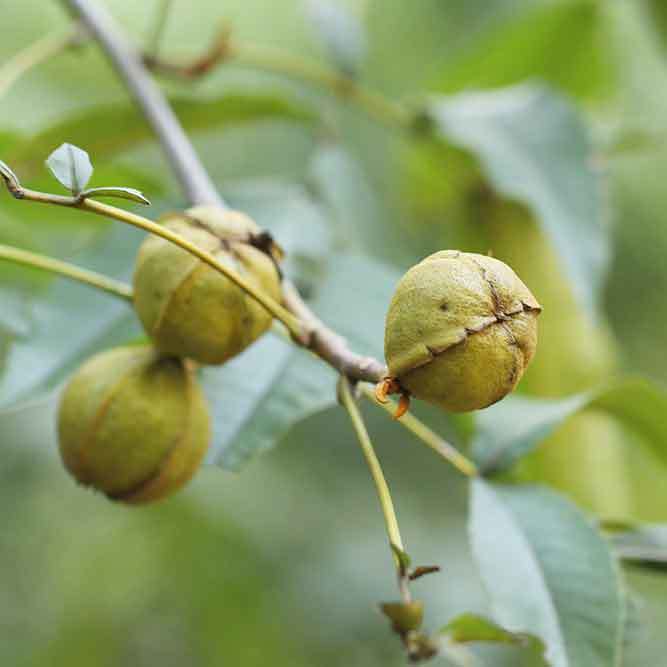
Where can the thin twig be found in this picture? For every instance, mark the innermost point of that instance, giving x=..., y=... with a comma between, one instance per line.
x=224, y=49
x=425, y=434
x=67, y=270
x=391, y=522
x=294, y=326
x=36, y=54
x=160, y=25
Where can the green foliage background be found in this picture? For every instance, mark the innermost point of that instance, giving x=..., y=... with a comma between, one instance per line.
x=283, y=562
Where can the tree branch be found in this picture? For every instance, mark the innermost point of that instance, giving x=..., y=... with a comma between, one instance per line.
x=224, y=49
x=198, y=186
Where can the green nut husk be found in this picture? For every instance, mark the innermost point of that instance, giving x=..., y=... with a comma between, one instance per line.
x=460, y=331
x=189, y=309
x=133, y=424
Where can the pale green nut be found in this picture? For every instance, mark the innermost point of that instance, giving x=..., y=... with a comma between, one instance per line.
x=460, y=331
x=188, y=308
x=133, y=424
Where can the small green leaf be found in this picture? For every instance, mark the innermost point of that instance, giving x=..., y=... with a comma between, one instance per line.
x=548, y=572
x=120, y=193
x=340, y=32
x=71, y=166
x=536, y=149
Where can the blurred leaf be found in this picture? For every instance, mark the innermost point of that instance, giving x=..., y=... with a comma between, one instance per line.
x=548, y=572
x=69, y=322
x=556, y=42
x=658, y=11
x=295, y=220
x=340, y=32
x=342, y=185
x=471, y=629
x=259, y=396
x=124, y=127
x=354, y=299
x=535, y=148
x=119, y=193
x=14, y=317
x=643, y=544
x=514, y=427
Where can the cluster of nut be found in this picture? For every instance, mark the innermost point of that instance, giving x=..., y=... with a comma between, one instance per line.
x=133, y=422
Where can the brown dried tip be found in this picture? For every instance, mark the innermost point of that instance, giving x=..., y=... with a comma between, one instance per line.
x=403, y=406
x=391, y=385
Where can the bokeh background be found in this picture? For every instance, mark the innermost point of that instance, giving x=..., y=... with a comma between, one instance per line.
x=283, y=563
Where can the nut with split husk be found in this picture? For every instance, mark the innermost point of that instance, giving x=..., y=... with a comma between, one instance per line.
x=133, y=424
x=187, y=307
x=460, y=331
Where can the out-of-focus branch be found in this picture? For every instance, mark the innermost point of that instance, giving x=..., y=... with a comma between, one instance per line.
x=66, y=270
x=37, y=53
x=226, y=49
x=197, y=184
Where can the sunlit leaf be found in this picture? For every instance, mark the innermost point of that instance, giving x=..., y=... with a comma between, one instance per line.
x=548, y=572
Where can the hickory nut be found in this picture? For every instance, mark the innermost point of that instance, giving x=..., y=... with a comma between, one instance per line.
x=460, y=331
x=133, y=424
x=189, y=309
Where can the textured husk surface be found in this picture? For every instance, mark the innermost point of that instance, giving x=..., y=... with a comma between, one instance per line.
x=187, y=307
x=460, y=330
x=132, y=424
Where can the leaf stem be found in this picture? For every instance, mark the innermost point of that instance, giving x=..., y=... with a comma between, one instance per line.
x=340, y=85
x=429, y=437
x=293, y=324
x=381, y=486
x=35, y=54
x=225, y=49
x=67, y=270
